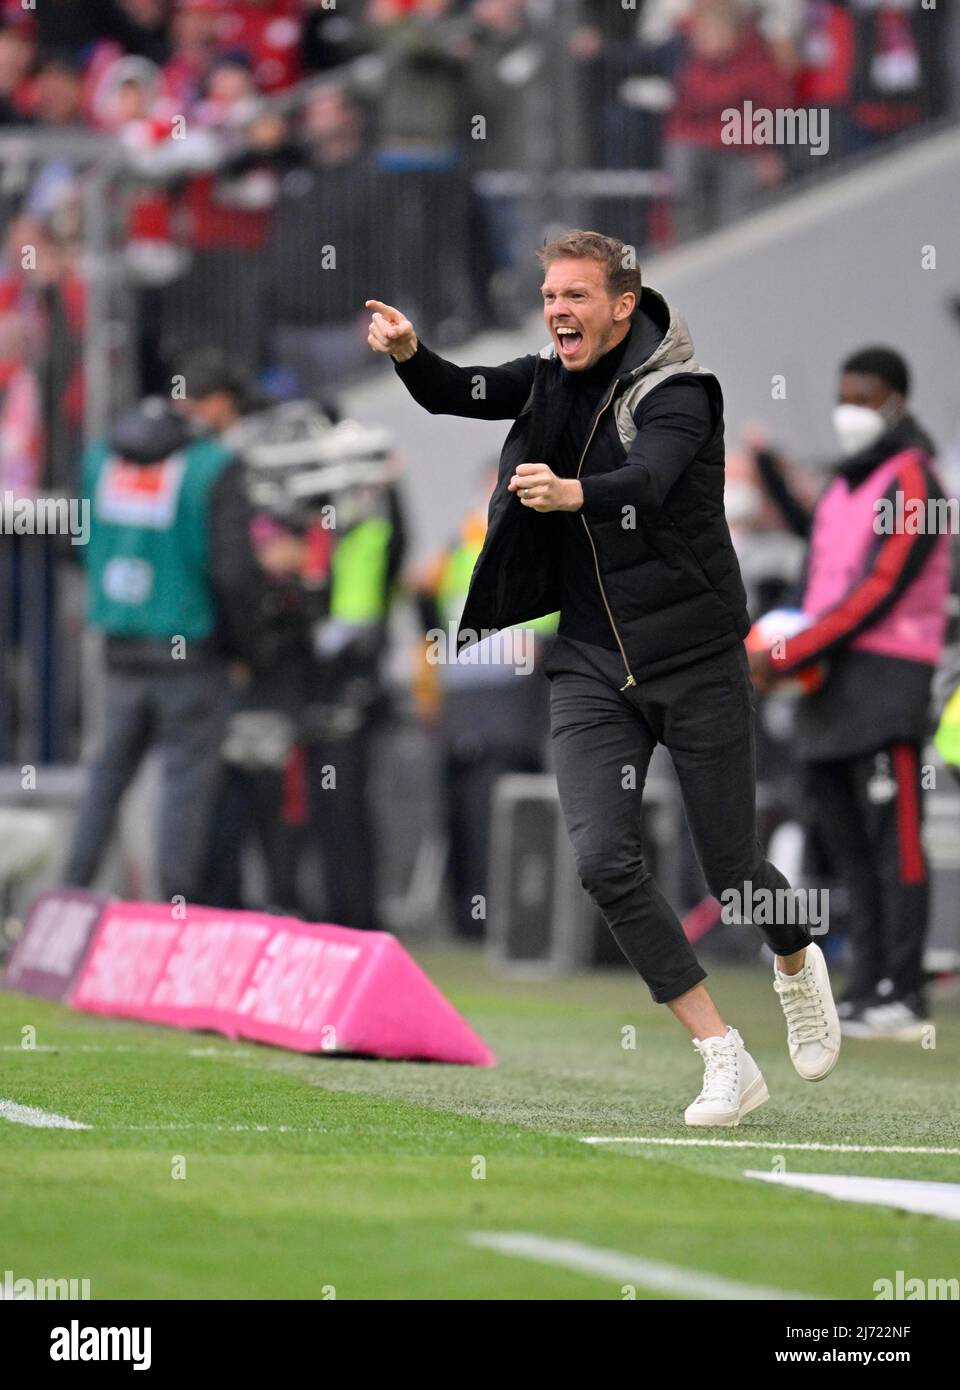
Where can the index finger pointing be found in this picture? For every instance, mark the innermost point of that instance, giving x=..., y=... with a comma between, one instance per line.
x=387, y=310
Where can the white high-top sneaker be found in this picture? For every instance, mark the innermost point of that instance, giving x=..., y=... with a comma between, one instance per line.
x=733, y=1084
x=813, y=1028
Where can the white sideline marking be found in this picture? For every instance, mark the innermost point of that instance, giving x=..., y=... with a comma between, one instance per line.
x=38, y=1119
x=628, y=1269
x=771, y=1144
x=46, y=1119
x=227, y=1129
x=125, y=1047
x=929, y=1198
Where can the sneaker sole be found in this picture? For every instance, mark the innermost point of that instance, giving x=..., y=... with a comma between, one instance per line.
x=754, y=1096
x=821, y=1075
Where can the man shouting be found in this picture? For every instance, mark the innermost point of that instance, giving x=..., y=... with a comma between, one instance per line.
x=609, y=508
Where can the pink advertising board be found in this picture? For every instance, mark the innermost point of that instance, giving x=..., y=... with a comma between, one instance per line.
x=300, y=985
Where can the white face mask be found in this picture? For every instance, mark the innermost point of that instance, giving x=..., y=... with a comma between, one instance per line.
x=857, y=426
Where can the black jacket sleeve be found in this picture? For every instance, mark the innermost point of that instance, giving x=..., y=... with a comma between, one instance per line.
x=673, y=424
x=480, y=393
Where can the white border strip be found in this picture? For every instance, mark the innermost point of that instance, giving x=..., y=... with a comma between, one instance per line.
x=625, y=1269
x=768, y=1144
x=938, y=1199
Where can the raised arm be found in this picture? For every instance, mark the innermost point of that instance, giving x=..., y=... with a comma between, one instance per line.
x=481, y=393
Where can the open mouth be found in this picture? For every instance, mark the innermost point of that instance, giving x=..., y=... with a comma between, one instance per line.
x=569, y=340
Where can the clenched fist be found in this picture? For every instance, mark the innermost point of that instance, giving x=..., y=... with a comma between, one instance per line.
x=539, y=488
x=390, y=331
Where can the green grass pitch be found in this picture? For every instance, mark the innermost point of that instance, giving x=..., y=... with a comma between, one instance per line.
x=303, y=1175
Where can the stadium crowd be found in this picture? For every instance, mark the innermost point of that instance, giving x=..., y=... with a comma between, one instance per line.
x=245, y=129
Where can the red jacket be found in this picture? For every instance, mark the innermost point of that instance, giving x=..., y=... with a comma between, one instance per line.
x=705, y=90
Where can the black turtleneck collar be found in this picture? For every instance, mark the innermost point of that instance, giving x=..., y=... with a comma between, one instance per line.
x=603, y=370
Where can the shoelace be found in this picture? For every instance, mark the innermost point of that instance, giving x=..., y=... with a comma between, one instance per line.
x=803, y=1010
x=721, y=1074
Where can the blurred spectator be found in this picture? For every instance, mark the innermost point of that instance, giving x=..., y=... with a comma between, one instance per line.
x=268, y=32
x=422, y=188
x=193, y=46
x=17, y=58
x=875, y=67
x=330, y=35
x=315, y=310
x=231, y=94
x=125, y=99
x=58, y=91
x=893, y=83
x=780, y=23
x=616, y=65
x=825, y=77
x=421, y=100
x=505, y=56
x=25, y=561
x=141, y=27
x=728, y=64
x=21, y=418
x=41, y=279
x=224, y=216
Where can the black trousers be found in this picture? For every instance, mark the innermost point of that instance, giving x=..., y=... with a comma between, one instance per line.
x=869, y=809
x=603, y=740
